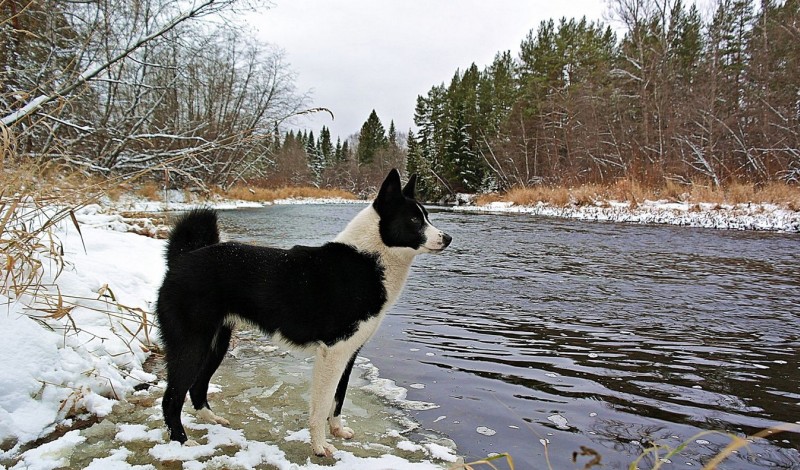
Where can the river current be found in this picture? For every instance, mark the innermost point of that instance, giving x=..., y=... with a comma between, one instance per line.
x=548, y=338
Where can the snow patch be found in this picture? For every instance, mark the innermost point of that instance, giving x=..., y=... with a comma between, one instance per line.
x=388, y=389
x=303, y=435
x=138, y=432
x=560, y=421
x=50, y=455
x=735, y=217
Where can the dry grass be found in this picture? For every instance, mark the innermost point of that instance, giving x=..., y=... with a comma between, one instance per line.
x=259, y=194
x=34, y=200
x=150, y=190
x=782, y=194
x=660, y=454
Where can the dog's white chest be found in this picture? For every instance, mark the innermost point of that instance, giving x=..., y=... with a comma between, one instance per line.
x=394, y=279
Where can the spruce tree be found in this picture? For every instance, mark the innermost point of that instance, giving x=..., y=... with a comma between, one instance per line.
x=337, y=152
x=371, y=139
x=416, y=164
x=345, y=151
x=325, y=146
x=392, y=135
x=311, y=144
x=316, y=162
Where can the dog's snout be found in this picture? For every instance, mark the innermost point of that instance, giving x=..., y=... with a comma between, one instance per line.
x=446, y=239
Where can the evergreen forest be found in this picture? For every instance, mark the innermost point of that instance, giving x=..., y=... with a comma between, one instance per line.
x=676, y=97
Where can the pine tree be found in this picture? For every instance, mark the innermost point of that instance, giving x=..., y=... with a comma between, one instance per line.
x=289, y=140
x=316, y=161
x=392, y=135
x=337, y=152
x=275, y=140
x=310, y=143
x=371, y=139
x=729, y=34
x=325, y=146
x=345, y=151
x=416, y=164
x=497, y=92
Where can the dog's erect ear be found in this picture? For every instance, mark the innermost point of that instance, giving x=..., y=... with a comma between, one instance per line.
x=390, y=191
x=410, y=187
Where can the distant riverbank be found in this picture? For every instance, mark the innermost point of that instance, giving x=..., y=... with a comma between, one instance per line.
x=749, y=216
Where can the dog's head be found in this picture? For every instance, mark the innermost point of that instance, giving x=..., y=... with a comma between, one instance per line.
x=403, y=221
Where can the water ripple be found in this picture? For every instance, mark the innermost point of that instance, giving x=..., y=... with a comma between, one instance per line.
x=632, y=334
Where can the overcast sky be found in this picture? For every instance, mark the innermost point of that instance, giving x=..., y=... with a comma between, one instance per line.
x=359, y=55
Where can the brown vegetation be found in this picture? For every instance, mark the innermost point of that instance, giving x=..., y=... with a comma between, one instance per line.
x=247, y=193
x=782, y=194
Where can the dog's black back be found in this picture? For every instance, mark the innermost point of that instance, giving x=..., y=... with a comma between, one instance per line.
x=306, y=294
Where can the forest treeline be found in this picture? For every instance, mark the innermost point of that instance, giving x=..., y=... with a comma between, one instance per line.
x=358, y=164
x=179, y=90
x=677, y=97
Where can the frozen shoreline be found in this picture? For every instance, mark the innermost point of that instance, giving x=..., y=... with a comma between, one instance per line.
x=747, y=216
x=759, y=217
x=75, y=349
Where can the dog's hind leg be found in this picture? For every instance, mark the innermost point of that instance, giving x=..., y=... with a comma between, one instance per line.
x=182, y=368
x=335, y=418
x=329, y=365
x=199, y=390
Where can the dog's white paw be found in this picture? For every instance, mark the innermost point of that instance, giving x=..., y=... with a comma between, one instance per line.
x=323, y=450
x=209, y=417
x=344, y=432
x=191, y=443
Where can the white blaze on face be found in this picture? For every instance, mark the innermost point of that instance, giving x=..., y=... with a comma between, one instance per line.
x=435, y=239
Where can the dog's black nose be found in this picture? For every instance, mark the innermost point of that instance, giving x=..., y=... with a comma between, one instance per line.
x=446, y=239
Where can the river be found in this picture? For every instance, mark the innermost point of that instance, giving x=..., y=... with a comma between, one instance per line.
x=598, y=336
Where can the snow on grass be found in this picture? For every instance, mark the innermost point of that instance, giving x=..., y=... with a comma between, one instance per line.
x=53, y=368
x=736, y=217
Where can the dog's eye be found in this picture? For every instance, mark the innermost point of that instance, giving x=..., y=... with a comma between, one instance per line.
x=416, y=221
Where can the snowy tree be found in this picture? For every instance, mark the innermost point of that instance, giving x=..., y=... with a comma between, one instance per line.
x=124, y=85
x=325, y=146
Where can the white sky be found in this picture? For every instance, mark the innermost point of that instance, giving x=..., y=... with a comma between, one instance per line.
x=359, y=55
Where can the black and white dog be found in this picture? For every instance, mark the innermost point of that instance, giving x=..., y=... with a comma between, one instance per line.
x=329, y=299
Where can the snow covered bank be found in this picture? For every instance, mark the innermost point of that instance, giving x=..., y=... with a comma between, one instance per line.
x=736, y=217
x=72, y=348
x=177, y=201
x=79, y=341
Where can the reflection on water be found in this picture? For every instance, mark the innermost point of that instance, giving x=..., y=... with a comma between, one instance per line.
x=608, y=336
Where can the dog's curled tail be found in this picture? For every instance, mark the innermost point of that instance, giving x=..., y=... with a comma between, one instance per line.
x=195, y=229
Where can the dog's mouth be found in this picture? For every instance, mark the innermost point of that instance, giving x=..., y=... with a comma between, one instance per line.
x=446, y=239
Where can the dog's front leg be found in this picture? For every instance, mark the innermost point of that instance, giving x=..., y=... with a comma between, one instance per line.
x=328, y=368
x=334, y=419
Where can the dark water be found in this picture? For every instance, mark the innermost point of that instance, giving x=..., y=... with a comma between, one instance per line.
x=612, y=337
